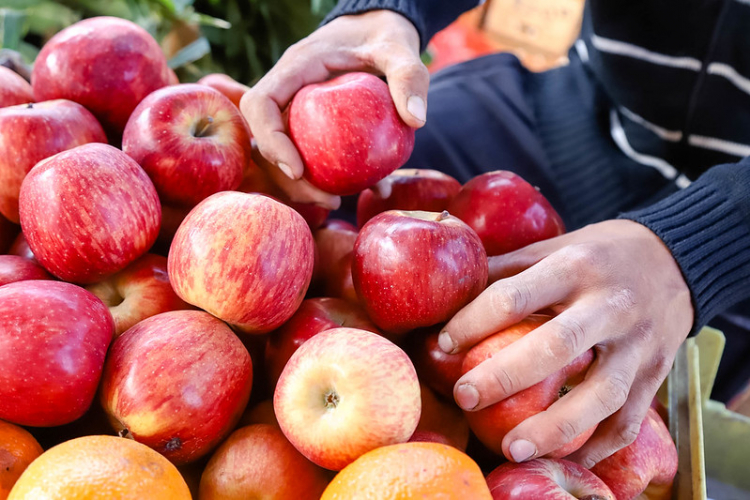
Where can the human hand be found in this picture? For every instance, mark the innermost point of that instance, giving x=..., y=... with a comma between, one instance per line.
x=381, y=42
x=613, y=286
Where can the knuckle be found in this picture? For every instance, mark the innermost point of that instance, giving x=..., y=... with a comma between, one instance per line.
x=643, y=331
x=570, y=336
x=507, y=298
x=503, y=381
x=622, y=302
x=613, y=392
x=587, y=259
x=567, y=430
x=626, y=433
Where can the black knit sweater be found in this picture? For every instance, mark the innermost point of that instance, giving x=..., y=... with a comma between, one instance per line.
x=678, y=75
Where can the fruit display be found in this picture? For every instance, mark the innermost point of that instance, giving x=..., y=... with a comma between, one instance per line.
x=174, y=325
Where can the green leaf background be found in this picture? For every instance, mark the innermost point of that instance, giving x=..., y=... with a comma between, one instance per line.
x=242, y=38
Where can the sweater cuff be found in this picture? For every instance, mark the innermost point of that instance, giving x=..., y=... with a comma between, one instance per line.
x=707, y=228
x=404, y=7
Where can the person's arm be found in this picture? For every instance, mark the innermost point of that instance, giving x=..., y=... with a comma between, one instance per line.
x=707, y=228
x=376, y=36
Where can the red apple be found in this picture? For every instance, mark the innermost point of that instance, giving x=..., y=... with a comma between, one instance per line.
x=173, y=78
x=332, y=274
x=21, y=248
x=346, y=392
x=33, y=132
x=245, y=258
x=53, y=338
x=191, y=141
x=261, y=413
x=257, y=180
x=312, y=317
x=104, y=63
x=440, y=371
x=415, y=269
x=430, y=437
x=225, y=84
x=492, y=423
x=408, y=189
x=644, y=469
x=442, y=418
x=506, y=212
x=259, y=462
x=13, y=88
x=8, y=232
x=14, y=268
x=548, y=478
x=177, y=382
x=88, y=212
x=139, y=291
x=348, y=133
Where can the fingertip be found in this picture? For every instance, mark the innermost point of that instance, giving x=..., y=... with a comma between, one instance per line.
x=417, y=108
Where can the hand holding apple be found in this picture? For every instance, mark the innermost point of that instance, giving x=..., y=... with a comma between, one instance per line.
x=348, y=132
x=636, y=320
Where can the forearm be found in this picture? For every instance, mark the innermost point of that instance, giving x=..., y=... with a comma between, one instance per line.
x=707, y=228
x=428, y=16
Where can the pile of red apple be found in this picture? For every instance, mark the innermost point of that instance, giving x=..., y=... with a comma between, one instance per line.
x=158, y=268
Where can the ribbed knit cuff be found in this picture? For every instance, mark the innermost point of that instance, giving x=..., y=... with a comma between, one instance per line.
x=404, y=7
x=707, y=228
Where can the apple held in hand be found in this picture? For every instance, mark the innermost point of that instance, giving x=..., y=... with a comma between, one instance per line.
x=492, y=423
x=415, y=269
x=408, y=189
x=139, y=291
x=645, y=468
x=507, y=212
x=13, y=88
x=177, y=382
x=225, y=84
x=53, y=338
x=33, y=132
x=14, y=268
x=191, y=141
x=88, y=212
x=346, y=392
x=259, y=462
x=548, y=478
x=348, y=132
x=107, y=64
x=312, y=317
x=245, y=258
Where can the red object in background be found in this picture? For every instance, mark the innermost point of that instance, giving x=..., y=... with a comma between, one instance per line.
x=459, y=42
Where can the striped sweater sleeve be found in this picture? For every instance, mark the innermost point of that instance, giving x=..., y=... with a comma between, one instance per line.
x=428, y=16
x=707, y=228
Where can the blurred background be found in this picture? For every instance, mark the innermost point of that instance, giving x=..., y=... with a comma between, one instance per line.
x=244, y=38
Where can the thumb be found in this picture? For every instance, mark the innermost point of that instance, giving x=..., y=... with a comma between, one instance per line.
x=408, y=81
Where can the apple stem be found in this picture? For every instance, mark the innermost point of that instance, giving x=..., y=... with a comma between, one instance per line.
x=204, y=126
x=125, y=433
x=30, y=105
x=443, y=215
x=563, y=391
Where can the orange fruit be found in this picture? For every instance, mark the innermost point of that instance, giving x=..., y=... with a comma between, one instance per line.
x=18, y=449
x=410, y=471
x=100, y=468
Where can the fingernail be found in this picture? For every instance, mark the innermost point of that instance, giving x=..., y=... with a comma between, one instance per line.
x=521, y=450
x=467, y=396
x=287, y=170
x=446, y=343
x=415, y=105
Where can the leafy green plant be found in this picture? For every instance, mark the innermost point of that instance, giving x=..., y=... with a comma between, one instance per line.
x=242, y=38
